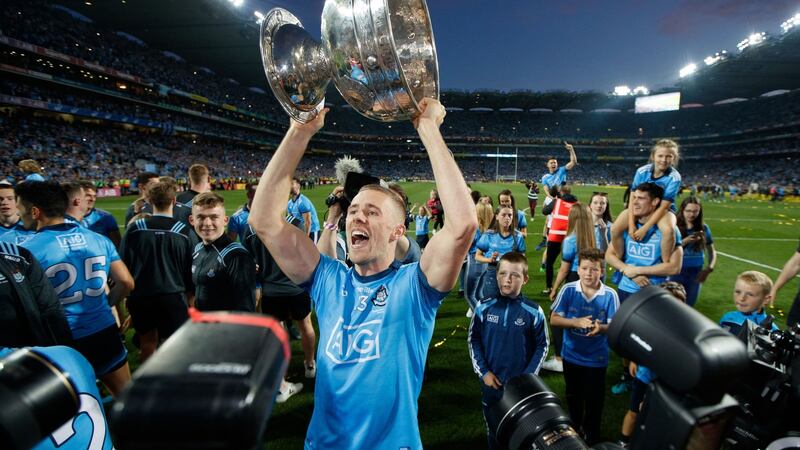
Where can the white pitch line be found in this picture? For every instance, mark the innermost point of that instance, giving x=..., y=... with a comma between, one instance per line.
x=779, y=219
x=750, y=262
x=716, y=238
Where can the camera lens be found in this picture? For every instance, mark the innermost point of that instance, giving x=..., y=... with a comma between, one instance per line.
x=529, y=415
x=36, y=396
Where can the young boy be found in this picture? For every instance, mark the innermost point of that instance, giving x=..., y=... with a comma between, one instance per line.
x=507, y=335
x=585, y=308
x=751, y=291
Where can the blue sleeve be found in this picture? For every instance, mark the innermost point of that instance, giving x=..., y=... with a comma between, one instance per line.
x=521, y=223
x=111, y=251
x=305, y=206
x=476, y=344
x=539, y=331
x=321, y=283
x=431, y=298
x=638, y=178
x=709, y=239
x=483, y=243
x=562, y=174
x=568, y=250
x=673, y=187
x=520, y=242
x=561, y=305
x=108, y=223
x=613, y=304
x=678, y=237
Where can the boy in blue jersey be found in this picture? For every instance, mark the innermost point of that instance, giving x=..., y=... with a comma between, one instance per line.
x=507, y=334
x=88, y=429
x=78, y=263
x=584, y=308
x=641, y=261
x=375, y=319
x=11, y=228
x=98, y=220
x=751, y=291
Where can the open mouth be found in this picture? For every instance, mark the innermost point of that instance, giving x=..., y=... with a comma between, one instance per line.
x=358, y=239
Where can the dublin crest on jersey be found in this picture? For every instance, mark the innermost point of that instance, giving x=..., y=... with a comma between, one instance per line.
x=379, y=299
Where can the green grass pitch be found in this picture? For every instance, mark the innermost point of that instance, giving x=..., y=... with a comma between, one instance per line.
x=748, y=235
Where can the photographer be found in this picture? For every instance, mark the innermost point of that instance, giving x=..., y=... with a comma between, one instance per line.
x=376, y=297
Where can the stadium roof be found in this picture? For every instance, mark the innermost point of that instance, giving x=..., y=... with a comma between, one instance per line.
x=216, y=35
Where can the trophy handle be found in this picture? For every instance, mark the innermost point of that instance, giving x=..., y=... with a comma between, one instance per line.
x=295, y=65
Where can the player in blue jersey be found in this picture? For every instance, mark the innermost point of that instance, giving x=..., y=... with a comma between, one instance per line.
x=88, y=429
x=697, y=241
x=375, y=319
x=98, y=220
x=301, y=207
x=750, y=293
x=507, y=335
x=421, y=221
x=78, y=263
x=662, y=172
x=556, y=176
x=641, y=261
x=237, y=224
x=506, y=198
x=502, y=238
x=11, y=227
x=584, y=308
x=76, y=202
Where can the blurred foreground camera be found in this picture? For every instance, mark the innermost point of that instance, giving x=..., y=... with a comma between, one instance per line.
x=211, y=386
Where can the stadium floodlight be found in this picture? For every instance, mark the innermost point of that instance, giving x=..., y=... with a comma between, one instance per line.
x=259, y=17
x=237, y=3
x=716, y=57
x=641, y=90
x=790, y=23
x=753, y=39
x=622, y=90
x=688, y=70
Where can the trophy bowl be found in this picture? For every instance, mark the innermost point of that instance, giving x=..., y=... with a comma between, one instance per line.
x=380, y=55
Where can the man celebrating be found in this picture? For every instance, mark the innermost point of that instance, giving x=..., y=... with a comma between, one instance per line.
x=375, y=319
x=556, y=176
x=301, y=207
x=640, y=261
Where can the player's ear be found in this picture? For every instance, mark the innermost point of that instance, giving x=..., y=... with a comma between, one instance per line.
x=524, y=279
x=191, y=219
x=398, y=232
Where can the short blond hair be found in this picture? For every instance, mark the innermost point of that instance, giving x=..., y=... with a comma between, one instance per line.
x=208, y=200
x=756, y=278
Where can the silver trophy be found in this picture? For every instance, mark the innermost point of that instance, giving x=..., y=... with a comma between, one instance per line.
x=380, y=55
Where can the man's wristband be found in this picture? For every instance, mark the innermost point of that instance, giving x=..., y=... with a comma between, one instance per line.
x=331, y=226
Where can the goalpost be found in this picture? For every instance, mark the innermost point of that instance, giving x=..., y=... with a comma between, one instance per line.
x=503, y=175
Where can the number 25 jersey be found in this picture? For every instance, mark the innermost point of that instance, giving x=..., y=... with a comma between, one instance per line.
x=77, y=262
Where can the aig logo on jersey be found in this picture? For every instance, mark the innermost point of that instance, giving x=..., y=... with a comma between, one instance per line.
x=641, y=250
x=71, y=241
x=354, y=343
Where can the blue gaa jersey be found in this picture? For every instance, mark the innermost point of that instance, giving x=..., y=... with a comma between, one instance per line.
x=598, y=236
x=492, y=241
x=238, y=222
x=77, y=261
x=733, y=321
x=87, y=429
x=15, y=234
x=578, y=348
x=373, y=341
x=101, y=222
x=694, y=255
x=556, y=178
x=644, y=253
x=421, y=225
x=670, y=181
x=521, y=222
x=301, y=205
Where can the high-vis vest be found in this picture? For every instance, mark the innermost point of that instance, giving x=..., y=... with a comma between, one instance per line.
x=559, y=221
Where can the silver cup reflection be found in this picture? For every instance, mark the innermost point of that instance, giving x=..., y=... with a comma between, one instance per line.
x=380, y=55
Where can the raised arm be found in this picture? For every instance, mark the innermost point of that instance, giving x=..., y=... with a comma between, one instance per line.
x=790, y=269
x=573, y=160
x=446, y=250
x=295, y=253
